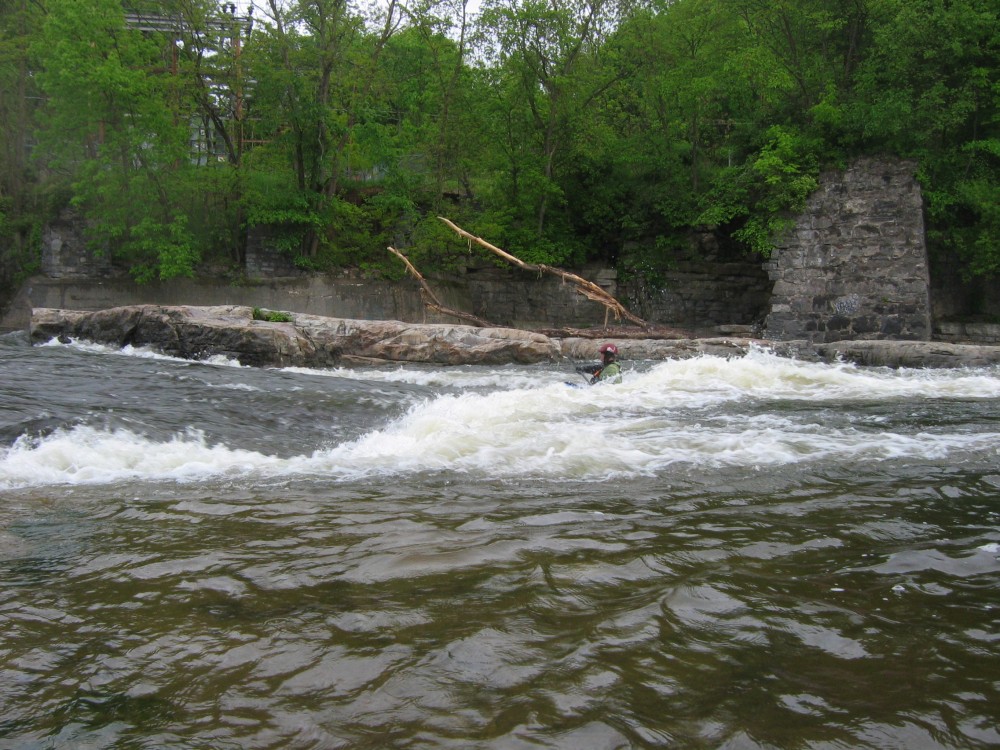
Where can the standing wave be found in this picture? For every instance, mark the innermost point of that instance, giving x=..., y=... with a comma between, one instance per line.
x=757, y=411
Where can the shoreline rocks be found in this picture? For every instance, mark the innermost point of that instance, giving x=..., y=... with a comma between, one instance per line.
x=315, y=341
x=307, y=340
x=916, y=354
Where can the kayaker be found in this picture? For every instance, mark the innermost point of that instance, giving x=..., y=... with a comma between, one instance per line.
x=609, y=371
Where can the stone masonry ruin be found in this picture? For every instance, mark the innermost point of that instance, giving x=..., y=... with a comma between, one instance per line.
x=66, y=252
x=855, y=264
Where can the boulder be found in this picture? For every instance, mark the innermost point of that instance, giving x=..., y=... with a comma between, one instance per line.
x=433, y=343
x=307, y=340
x=188, y=332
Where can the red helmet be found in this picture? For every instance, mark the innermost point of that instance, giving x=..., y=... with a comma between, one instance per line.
x=608, y=349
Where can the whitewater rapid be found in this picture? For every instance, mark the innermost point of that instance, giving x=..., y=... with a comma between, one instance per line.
x=755, y=412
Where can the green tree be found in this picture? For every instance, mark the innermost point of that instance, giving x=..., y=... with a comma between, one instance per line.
x=673, y=116
x=209, y=91
x=18, y=22
x=317, y=75
x=565, y=130
x=110, y=126
x=431, y=77
x=930, y=89
x=548, y=76
x=22, y=208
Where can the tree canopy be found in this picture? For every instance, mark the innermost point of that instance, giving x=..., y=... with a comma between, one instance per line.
x=567, y=131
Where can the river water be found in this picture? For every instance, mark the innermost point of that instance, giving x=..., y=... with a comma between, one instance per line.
x=745, y=553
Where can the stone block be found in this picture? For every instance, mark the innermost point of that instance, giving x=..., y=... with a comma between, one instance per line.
x=983, y=331
x=847, y=305
x=866, y=324
x=891, y=326
x=865, y=229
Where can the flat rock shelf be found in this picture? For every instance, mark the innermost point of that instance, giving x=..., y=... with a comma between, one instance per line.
x=316, y=341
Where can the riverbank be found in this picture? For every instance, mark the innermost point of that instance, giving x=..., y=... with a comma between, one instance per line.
x=317, y=341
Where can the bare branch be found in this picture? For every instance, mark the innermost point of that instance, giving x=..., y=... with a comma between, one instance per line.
x=430, y=299
x=588, y=289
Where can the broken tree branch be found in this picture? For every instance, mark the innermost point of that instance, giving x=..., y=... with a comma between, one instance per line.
x=431, y=300
x=588, y=289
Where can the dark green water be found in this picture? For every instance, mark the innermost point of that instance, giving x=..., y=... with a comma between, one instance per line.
x=746, y=554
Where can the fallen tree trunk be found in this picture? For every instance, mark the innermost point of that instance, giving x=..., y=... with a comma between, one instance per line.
x=430, y=299
x=588, y=289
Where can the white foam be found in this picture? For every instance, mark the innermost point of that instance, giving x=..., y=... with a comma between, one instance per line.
x=84, y=455
x=662, y=416
x=139, y=352
x=558, y=432
x=704, y=380
x=507, y=377
x=762, y=375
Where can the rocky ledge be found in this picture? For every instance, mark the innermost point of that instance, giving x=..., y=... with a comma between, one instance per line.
x=316, y=341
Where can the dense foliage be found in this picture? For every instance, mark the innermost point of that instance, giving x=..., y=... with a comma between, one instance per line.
x=565, y=131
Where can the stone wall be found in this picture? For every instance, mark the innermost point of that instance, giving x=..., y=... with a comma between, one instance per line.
x=964, y=309
x=703, y=296
x=333, y=296
x=962, y=332
x=713, y=288
x=508, y=297
x=855, y=264
x=523, y=299
x=65, y=253
x=262, y=260
x=701, y=292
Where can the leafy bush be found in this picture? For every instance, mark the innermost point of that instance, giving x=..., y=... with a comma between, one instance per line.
x=272, y=316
